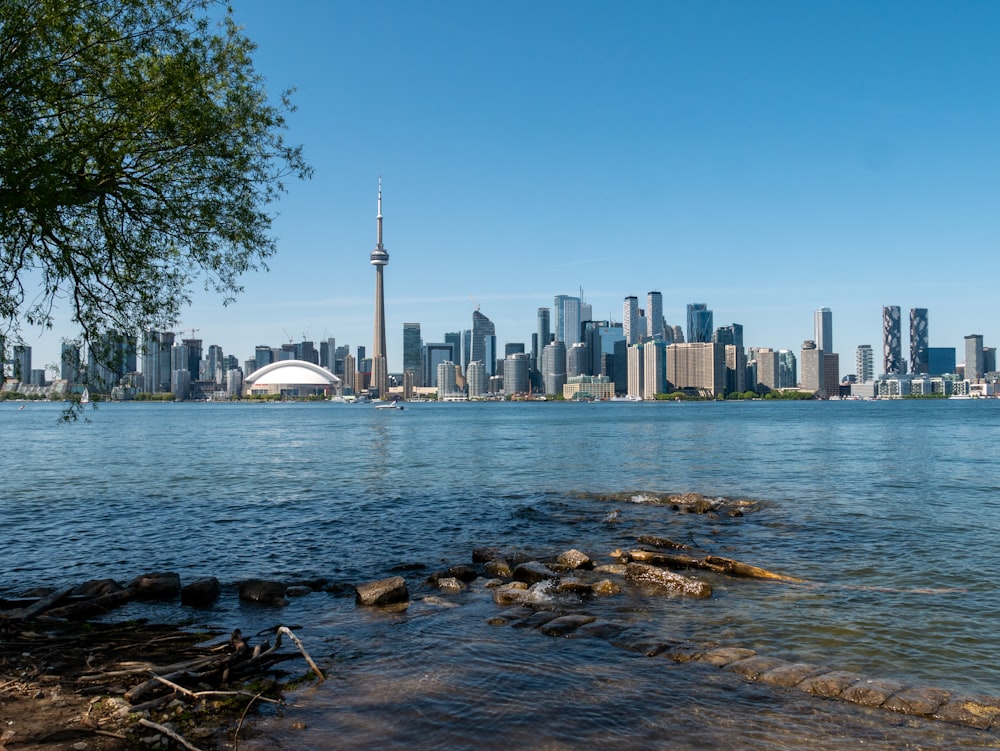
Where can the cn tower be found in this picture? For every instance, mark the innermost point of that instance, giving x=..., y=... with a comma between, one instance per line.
x=379, y=259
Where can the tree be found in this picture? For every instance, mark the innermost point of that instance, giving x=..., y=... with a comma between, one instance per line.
x=139, y=153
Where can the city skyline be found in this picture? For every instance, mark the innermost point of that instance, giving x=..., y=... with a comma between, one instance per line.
x=764, y=185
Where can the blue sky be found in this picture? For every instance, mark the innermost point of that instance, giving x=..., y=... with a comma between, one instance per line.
x=765, y=158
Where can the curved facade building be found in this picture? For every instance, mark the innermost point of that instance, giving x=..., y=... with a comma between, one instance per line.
x=291, y=378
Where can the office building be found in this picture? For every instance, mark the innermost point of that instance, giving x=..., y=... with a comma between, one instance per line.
x=788, y=377
x=941, y=360
x=654, y=315
x=892, y=345
x=918, y=341
x=631, y=321
x=767, y=369
x=578, y=360
x=483, y=350
x=379, y=385
x=823, y=329
x=813, y=368
x=731, y=334
x=21, y=363
x=543, y=337
x=989, y=359
x=568, y=312
x=974, y=357
x=699, y=323
x=69, y=362
x=697, y=366
x=412, y=352
x=831, y=374
x=865, y=364
x=736, y=368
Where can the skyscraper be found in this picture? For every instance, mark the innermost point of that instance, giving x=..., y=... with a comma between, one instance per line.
x=699, y=323
x=482, y=327
x=812, y=368
x=630, y=320
x=379, y=259
x=918, y=340
x=973, y=357
x=567, y=325
x=654, y=315
x=543, y=337
x=865, y=364
x=823, y=329
x=554, y=367
x=892, y=345
x=411, y=352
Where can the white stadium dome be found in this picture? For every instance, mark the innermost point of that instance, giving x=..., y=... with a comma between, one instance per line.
x=291, y=377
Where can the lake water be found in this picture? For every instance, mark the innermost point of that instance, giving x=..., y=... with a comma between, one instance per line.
x=889, y=510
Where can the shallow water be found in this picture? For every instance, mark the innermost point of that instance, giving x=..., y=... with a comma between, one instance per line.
x=889, y=510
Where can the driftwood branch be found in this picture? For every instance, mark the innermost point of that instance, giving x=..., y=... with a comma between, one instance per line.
x=298, y=643
x=708, y=563
x=167, y=732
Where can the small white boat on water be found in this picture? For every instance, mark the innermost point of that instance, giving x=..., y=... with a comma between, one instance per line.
x=85, y=396
x=389, y=405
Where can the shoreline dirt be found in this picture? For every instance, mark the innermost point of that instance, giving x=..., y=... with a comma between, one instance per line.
x=62, y=687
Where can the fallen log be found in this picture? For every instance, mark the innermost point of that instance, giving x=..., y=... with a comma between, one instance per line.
x=714, y=563
x=99, y=604
x=38, y=606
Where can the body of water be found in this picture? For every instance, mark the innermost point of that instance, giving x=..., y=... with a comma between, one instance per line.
x=888, y=510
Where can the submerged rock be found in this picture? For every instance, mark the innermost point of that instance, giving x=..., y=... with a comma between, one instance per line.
x=156, y=586
x=201, y=592
x=383, y=592
x=533, y=572
x=263, y=591
x=651, y=576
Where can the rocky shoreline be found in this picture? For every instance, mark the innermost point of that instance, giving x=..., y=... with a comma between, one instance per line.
x=68, y=684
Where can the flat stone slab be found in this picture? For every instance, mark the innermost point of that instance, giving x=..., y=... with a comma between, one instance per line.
x=566, y=624
x=918, y=701
x=722, y=656
x=791, y=674
x=753, y=667
x=830, y=684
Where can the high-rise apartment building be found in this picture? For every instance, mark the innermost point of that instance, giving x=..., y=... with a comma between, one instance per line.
x=69, y=362
x=654, y=366
x=636, y=371
x=654, y=315
x=892, y=344
x=918, y=340
x=974, y=357
x=697, y=366
x=21, y=363
x=446, y=382
x=543, y=337
x=767, y=369
x=788, y=372
x=731, y=334
x=578, y=360
x=831, y=373
x=631, y=320
x=813, y=368
x=515, y=375
x=865, y=364
x=736, y=368
x=436, y=353
x=475, y=379
x=699, y=323
x=554, y=367
x=823, y=329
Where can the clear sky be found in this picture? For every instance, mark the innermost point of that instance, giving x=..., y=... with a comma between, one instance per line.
x=765, y=158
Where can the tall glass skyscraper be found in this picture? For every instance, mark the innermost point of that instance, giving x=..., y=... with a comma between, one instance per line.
x=699, y=323
x=631, y=319
x=542, y=337
x=482, y=327
x=567, y=324
x=412, y=348
x=973, y=357
x=823, y=328
x=654, y=316
x=918, y=341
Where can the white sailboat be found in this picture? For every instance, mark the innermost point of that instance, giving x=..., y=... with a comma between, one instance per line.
x=85, y=396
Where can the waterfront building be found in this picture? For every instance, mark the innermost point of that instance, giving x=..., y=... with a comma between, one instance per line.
x=475, y=378
x=454, y=338
x=263, y=355
x=291, y=378
x=636, y=371
x=234, y=382
x=699, y=323
x=631, y=321
x=697, y=366
x=554, y=367
x=412, y=352
x=788, y=372
x=892, y=346
x=767, y=369
x=974, y=357
x=865, y=363
x=989, y=360
x=180, y=382
x=589, y=387
x=918, y=341
x=21, y=363
x=515, y=375
x=731, y=334
x=813, y=368
x=350, y=380
x=736, y=368
x=823, y=329
x=445, y=381
x=379, y=259
x=69, y=362
x=328, y=354
x=654, y=316
x=941, y=360
x=654, y=365
x=191, y=360
x=831, y=373
x=483, y=341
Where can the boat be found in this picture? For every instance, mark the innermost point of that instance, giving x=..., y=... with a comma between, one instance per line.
x=389, y=405
x=85, y=396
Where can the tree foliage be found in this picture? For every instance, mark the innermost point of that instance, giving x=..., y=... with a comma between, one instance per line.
x=139, y=153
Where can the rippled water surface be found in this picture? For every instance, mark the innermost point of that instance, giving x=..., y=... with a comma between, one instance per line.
x=889, y=511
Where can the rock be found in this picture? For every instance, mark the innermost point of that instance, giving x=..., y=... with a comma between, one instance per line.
x=600, y=629
x=383, y=592
x=156, y=586
x=973, y=711
x=513, y=593
x=752, y=668
x=918, y=701
x=482, y=555
x=536, y=619
x=791, y=674
x=566, y=624
x=722, y=656
x=461, y=572
x=532, y=572
x=498, y=567
x=263, y=591
x=605, y=588
x=299, y=590
x=509, y=616
x=644, y=575
x=871, y=693
x=449, y=583
x=573, y=585
x=662, y=542
x=574, y=559
x=615, y=569
x=201, y=592
x=830, y=684
x=97, y=587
